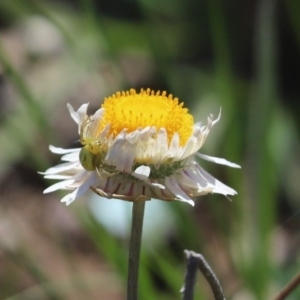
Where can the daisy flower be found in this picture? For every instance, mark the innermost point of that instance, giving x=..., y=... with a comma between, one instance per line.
x=137, y=146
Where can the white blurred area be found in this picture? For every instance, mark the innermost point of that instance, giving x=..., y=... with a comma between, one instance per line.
x=115, y=216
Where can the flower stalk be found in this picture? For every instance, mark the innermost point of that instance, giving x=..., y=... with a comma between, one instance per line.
x=135, y=249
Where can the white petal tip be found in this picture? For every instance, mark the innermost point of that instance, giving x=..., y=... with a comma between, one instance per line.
x=158, y=185
x=50, y=189
x=236, y=166
x=67, y=202
x=190, y=202
x=142, y=172
x=218, y=160
x=68, y=199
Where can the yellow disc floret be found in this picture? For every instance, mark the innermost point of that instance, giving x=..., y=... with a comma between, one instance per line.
x=130, y=110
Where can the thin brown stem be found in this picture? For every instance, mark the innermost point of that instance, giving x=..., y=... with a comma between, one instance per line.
x=190, y=275
x=288, y=288
x=194, y=261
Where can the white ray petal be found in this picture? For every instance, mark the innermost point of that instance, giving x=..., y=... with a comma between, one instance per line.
x=218, y=160
x=174, y=145
x=121, y=154
x=174, y=187
x=59, y=185
x=58, y=150
x=157, y=185
x=62, y=167
x=142, y=173
x=68, y=199
x=196, y=181
x=73, y=113
x=219, y=187
x=56, y=176
x=161, y=144
x=81, y=112
x=95, y=121
x=188, y=148
x=218, y=118
x=71, y=157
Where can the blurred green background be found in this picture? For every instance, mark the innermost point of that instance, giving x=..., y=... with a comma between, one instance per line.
x=243, y=56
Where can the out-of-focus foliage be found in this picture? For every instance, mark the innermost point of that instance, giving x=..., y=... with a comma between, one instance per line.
x=242, y=56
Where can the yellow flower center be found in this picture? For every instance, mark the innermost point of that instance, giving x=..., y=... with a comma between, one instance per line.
x=130, y=110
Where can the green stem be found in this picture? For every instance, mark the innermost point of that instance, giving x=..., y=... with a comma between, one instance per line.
x=135, y=249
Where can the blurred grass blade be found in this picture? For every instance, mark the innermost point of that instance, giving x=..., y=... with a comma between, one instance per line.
x=23, y=260
x=222, y=55
x=293, y=8
x=262, y=185
x=41, y=8
x=34, y=109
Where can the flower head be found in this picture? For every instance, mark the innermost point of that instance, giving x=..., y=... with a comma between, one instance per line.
x=137, y=146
